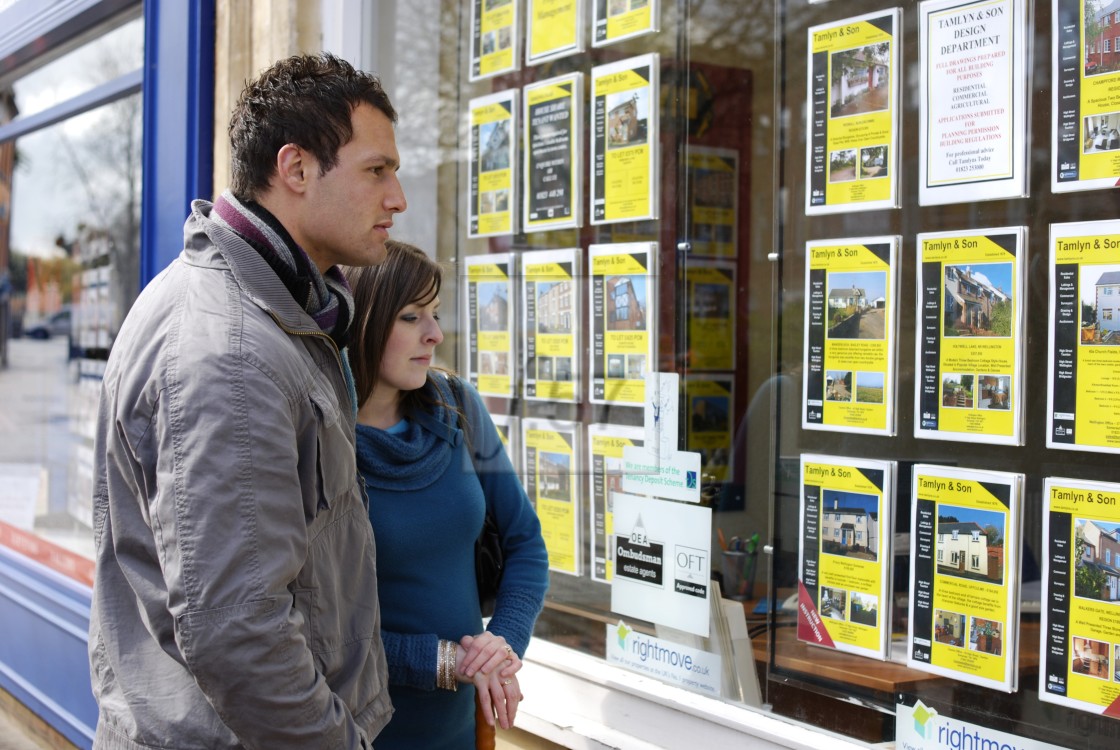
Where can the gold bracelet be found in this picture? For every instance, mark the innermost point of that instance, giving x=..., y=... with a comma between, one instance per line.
x=445, y=667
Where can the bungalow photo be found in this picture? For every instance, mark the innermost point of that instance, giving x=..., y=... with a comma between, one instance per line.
x=1100, y=305
x=970, y=543
x=860, y=79
x=849, y=524
x=857, y=305
x=977, y=300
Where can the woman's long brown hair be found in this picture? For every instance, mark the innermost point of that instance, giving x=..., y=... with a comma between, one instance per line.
x=406, y=276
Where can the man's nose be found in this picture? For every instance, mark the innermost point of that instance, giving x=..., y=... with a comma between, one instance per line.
x=395, y=200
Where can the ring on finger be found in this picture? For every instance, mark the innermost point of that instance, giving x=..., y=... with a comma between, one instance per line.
x=507, y=681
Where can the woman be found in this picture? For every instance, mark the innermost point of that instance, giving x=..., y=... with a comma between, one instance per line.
x=433, y=464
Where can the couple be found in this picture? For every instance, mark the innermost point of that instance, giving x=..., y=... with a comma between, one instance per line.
x=239, y=599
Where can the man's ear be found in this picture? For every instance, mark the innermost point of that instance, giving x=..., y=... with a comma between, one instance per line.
x=292, y=167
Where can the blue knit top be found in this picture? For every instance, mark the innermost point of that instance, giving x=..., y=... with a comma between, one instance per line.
x=427, y=499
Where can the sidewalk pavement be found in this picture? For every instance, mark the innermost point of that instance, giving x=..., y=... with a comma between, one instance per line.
x=18, y=728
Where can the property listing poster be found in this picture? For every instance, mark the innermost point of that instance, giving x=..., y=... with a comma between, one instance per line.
x=624, y=146
x=509, y=430
x=554, y=28
x=964, y=565
x=1080, y=640
x=1084, y=330
x=623, y=288
x=550, y=306
x=492, y=195
x=616, y=20
x=973, y=133
x=494, y=26
x=844, y=579
x=605, y=443
x=970, y=338
x=663, y=562
x=852, y=159
x=851, y=322
x=713, y=178
x=553, y=177
x=711, y=410
x=711, y=314
x=489, y=317
x=1086, y=85
x=550, y=459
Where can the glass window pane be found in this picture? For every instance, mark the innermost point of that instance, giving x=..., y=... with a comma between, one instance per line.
x=107, y=57
x=74, y=271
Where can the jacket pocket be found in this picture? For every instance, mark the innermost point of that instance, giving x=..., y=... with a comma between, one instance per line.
x=338, y=595
x=336, y=469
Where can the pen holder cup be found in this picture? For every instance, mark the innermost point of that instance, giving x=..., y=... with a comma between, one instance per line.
x=738, y=574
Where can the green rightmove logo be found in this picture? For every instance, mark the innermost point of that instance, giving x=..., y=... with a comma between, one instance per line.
x=923, y=720
x=954, y=735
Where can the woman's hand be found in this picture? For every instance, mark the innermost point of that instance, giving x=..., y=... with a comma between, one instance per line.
x=484, y=654
x=499, y=697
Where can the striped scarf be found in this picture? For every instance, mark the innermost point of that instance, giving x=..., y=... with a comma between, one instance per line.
x=326, y=297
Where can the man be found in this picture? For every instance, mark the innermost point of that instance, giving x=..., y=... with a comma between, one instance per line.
x=235, y=602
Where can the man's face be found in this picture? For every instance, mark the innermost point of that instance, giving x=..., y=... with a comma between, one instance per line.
x=348, y=211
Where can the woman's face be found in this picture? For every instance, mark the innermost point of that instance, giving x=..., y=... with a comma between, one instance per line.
x=409, y=349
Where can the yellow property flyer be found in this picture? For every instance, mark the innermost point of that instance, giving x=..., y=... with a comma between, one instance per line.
x=623, y=289
x=844, y=578
x=711, y=314
x=494, y=44
x=616, y=20
x=550, y=451
x=554, y=28
x=1086, y=129
x=624, y=146
x=970, y=336
x=554, y=152
x=1083, y=408
x=605, y=443
x=492, y=192
x=489, y=316
x=710, y=400
x=851, y=321
x=509, y=430
x=852, y=159
x=964, y=571
x=550, y=306
x=713, y=176
x=1080, y=639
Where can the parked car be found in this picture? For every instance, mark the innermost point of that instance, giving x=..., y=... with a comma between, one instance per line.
x=57, y=324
